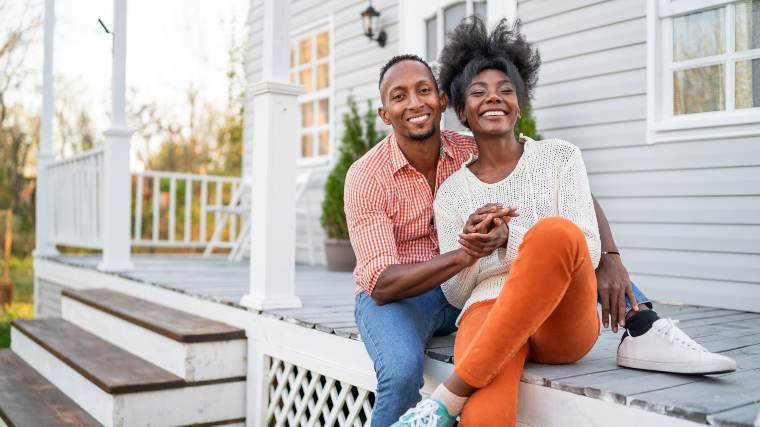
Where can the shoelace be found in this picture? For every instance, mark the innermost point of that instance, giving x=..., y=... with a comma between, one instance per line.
x=674, y=333
x=423, y=415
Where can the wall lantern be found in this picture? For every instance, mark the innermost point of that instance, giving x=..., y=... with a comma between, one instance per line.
x=370, y=18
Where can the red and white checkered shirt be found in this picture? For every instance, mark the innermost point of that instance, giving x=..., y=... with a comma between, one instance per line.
x=389, y=206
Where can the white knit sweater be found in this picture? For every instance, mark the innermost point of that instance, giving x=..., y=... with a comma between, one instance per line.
x=549, y=180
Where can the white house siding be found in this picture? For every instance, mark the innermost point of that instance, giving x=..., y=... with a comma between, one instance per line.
x=48, y=298
x=356, y=65
x=686, y=215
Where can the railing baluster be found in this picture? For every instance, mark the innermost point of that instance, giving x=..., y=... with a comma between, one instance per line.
x=138, y=207
x=233, y=218
x=188, y=209
x=204, y=205
x=156, y=206
x=219, y=189
x=172, y=208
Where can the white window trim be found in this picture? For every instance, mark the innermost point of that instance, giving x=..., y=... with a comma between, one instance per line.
x=662, y=125
x=413, y=13
x=310, y=30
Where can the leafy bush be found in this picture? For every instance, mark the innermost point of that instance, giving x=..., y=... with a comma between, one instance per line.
x=359, y=136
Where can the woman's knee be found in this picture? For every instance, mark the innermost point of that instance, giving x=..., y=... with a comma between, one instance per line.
x=557, y=230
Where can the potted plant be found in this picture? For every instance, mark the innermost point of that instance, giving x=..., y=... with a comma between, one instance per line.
x=359, y=135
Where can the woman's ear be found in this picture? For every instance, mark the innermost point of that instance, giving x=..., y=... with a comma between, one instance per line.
x=462, y=118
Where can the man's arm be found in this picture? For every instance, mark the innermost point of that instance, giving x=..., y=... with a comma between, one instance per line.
x=612, y=279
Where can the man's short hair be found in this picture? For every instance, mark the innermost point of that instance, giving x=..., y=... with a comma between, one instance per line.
x=404, y=57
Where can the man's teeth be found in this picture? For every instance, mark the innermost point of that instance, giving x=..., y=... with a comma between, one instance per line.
x=419, y=119
x=494, y=113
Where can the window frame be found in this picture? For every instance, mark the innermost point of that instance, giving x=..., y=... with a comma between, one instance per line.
x=662, y=124
x=311, y=31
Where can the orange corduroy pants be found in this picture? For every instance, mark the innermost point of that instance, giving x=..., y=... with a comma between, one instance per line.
x=546, y=312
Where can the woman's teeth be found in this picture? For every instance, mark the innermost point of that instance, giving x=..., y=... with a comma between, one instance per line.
x=494, y=113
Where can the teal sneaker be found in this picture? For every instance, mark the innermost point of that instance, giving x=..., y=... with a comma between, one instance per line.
x=428, y=413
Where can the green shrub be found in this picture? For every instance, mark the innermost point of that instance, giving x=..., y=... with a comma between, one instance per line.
x=359, y=136
x=527, y=125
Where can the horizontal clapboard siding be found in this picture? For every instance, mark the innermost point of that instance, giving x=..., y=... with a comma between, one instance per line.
x=48, y=298
x=686, y=215
x=356, y=63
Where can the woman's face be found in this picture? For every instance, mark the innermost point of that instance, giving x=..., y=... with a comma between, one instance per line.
x=490, y=105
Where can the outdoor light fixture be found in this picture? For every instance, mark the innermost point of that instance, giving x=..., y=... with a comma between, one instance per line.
x=370, y=18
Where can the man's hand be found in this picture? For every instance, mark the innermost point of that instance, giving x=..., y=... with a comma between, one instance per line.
x=613, y=284
x=486, y=230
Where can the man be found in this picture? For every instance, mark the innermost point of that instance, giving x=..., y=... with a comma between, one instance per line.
x=389, y=208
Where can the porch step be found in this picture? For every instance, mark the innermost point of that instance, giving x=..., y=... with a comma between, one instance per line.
x=27, y=399
x=190, y=347
x=118, y=388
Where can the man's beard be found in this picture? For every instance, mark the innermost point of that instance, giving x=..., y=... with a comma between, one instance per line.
x=419, y=137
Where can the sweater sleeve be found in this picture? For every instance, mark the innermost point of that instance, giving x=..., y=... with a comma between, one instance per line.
x=449, y=224
x=576, y=204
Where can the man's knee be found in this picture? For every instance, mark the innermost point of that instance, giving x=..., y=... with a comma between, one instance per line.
x=402, y=373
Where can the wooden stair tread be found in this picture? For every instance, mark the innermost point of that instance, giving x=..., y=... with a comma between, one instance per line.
x=171, y=323
x=112, y=369
x=28, y=399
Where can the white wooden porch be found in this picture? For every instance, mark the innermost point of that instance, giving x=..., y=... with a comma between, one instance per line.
x=316, y=362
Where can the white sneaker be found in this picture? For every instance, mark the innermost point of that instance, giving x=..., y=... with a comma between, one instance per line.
x=667, y=348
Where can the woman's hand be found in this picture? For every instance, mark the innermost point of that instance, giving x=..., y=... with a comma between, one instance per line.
x=486, y=230
x=613, y=284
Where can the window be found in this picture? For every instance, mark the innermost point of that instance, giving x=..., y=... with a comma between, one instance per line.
x=437, y=26
x=311, y=67
x=704, y=67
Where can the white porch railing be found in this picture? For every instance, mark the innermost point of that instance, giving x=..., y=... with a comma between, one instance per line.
x=181, y=210
x=75, y=198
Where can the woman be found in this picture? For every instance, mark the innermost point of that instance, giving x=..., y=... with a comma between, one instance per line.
x=540, y=305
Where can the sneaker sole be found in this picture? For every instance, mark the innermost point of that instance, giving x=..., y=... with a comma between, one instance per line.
x=676, y=368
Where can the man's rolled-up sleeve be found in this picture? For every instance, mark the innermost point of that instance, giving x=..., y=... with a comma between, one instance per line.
x=369, y=227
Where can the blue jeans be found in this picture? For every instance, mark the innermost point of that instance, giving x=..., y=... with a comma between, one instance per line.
x=396, y=335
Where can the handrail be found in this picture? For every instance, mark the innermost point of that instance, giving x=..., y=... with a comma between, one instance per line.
x=167, y=215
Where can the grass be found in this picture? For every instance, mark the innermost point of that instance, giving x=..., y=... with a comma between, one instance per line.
x=22, y=307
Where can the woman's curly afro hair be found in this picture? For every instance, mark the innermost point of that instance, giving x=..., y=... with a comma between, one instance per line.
x=470, y=49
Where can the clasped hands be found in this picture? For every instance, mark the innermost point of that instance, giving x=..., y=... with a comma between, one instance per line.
x=486, y=230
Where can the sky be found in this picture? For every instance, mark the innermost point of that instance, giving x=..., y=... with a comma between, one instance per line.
x=171, y=45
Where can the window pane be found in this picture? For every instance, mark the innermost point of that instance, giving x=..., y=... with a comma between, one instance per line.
x=307, y=115
x=324, y=142
x=304, y=51
x=292, y=57
x=452, y=15
x=431, y=34
x=304, y=77
x=307, y=145
x=748, y=25
x=323, y=45
x=323, y=76
x=699, y=34
x=324, y=111
x=748, y=84
x=292, y=78
x=698, y=90
x=480, y=10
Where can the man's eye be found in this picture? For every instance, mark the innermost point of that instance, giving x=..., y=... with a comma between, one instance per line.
x=396, y=97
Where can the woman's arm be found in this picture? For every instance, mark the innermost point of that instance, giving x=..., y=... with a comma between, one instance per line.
x=576, y=203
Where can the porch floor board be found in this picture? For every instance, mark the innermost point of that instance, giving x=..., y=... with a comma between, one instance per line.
x=725, y=400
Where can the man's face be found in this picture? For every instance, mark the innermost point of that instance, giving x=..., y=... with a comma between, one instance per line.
x=411, y=102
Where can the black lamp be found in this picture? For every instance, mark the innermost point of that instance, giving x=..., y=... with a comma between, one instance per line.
x=370, y=18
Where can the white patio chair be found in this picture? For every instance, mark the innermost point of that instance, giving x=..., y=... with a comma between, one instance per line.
x=240, y=205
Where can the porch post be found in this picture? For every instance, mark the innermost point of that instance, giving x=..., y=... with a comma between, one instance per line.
x=43, y=222
x=116, y=194
x=276, y=121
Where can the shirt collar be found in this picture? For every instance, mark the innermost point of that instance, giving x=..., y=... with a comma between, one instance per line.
x=399, y=160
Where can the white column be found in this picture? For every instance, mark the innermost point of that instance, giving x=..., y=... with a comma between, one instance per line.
x=276, y=122
x=116, y=175
x=44, y=217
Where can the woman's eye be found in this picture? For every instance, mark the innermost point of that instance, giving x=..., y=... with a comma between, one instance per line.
x=477, y=93
x=507, y=90
x=425, y=91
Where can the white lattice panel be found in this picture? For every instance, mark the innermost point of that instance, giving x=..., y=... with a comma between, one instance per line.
x=304, y=398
